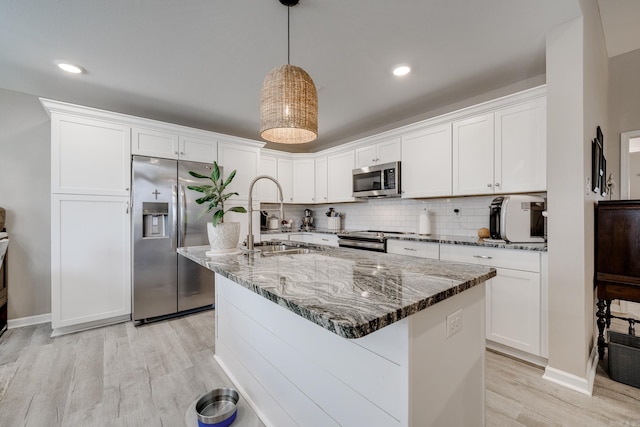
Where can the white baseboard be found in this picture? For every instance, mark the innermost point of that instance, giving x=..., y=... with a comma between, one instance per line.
x=89, y=325
x=29, y=321
x=512, y=352
x=574, y=382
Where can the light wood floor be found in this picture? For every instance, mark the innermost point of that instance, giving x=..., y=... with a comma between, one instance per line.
x=124, y=375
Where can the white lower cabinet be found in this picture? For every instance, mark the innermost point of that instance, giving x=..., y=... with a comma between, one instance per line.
x=324, y=239
x=514, y=298
x=516, y=302
x=90, y=261
x=413, y=248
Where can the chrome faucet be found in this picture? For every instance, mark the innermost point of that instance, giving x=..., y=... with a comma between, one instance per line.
x=250, y=210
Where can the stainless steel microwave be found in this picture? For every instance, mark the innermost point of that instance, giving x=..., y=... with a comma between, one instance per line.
x=377, y=181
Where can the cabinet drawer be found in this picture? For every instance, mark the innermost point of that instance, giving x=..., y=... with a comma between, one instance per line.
x=413, y=248
x=493, y=257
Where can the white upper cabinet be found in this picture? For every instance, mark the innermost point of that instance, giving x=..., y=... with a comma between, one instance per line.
x=379, y=153
x=473, y=155
x=521, y=147
x=167, y=145
x=89, y=156
x=340, y=177
x=198, y=149
x=321, y=180
x=285, y=178
x=153, y=143
x=426, y=162
x=244, y=159
x=501, y=152
x=266, y=190
x=304, y=180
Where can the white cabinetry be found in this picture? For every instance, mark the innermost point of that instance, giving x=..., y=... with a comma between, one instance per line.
x=502, y=151
x=285, y=178
x=414, y=248
x=513, y=298
x=473, y=155
x=426, y=162
x=89, y=156
x=295, y=175
x=340, y=177
x=245, y=160
x=521, y=147
x=90, y=222
x=90, y=261
x=304, y=180
x=321, y=180
x=381, y=152
x=267, y=192
x=168, y=145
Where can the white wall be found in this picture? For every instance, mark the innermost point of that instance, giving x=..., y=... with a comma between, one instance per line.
x=577, y=83
x=25, y=187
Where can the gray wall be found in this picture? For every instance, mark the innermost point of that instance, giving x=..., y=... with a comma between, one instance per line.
x=624, y=106
x=25, y=186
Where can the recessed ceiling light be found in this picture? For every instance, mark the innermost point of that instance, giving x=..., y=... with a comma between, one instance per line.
x=70, y=68
x=401, y=70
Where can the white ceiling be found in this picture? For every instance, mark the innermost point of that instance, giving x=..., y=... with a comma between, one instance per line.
x=201, y=63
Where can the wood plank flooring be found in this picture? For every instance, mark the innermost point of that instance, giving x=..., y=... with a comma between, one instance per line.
x=123, y=375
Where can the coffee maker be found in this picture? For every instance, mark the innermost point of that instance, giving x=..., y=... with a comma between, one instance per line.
x=307, y=220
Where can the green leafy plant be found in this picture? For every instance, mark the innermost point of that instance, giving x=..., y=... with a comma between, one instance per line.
x=214, y=194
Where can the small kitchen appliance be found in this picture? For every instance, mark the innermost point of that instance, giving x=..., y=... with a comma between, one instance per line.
x=517, y=219
x=307, y=220
x=377, y=181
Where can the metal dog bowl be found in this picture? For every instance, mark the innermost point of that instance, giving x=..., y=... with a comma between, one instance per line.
x=217, y=408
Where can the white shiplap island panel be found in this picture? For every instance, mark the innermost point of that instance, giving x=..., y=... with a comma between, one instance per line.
x=298, y=372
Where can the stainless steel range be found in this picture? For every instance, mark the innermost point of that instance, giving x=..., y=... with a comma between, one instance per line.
x=370, y=240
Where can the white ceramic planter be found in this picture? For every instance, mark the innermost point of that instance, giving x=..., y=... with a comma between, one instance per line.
x=223, y=238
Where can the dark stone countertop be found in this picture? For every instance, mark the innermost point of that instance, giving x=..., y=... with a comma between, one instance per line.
x=346, y=291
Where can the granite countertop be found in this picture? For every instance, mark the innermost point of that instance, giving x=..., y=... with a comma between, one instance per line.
x=346, y=291
x=472, y=241
x=435, y=238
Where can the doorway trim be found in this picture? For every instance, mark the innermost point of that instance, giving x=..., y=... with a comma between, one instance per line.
x=625, y=137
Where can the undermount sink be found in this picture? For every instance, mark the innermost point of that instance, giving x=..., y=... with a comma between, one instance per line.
x=281, y=249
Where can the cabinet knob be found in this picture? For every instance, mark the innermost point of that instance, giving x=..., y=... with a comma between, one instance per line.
x=489, y=185
x=175, y=152
x=410, y=249
x=497, y=184
x=126, y=189
x=182, y=153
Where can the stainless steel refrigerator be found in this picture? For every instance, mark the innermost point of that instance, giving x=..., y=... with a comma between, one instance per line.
x=166, y=217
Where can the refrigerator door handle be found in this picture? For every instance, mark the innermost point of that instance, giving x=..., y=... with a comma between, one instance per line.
x=174, y=208
x=183, y=219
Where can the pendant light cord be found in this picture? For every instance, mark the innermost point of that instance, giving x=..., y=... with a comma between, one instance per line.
x=288, y=36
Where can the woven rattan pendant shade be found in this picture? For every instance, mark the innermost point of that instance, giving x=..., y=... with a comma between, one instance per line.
x=289, y=106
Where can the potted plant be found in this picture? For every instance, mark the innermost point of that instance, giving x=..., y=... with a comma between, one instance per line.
x=223, y=236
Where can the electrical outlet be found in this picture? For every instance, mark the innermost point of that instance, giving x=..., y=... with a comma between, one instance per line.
x=454, y=323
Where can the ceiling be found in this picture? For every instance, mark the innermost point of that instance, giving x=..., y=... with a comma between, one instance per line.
x=201, y=63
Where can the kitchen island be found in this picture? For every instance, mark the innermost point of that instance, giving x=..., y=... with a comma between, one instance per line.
x=345, y=337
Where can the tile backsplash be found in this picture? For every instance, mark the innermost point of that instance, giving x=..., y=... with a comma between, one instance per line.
x=402, y=214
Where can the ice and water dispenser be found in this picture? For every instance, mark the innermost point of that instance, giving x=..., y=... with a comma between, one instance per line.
x=155, y=219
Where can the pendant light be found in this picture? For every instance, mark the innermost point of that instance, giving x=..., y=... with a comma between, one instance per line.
x=289, y=101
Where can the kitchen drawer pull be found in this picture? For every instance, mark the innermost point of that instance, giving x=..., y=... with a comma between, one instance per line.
x=325, y=240
x=482, y=256
x=410, y=249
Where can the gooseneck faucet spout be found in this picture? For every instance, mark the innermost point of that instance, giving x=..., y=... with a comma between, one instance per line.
x=250, y=209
